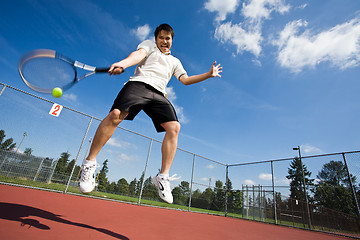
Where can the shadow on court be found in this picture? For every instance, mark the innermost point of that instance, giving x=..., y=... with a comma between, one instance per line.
x=21, y=213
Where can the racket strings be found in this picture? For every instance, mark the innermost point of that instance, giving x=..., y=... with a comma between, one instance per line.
x=44, y=74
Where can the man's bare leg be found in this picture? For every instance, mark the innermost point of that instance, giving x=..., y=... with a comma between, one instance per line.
x=105, y=130
x=169, y=145
x=168, y=149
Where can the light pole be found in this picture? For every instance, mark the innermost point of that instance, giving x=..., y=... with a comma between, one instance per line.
x=305, y=191
x=24, y=135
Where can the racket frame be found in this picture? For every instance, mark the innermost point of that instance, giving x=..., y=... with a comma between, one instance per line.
x=47, y=53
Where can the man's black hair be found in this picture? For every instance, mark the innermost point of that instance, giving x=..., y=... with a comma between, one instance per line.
x=165, y=27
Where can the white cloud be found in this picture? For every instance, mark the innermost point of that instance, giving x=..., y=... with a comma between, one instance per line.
x=113, y=142
x=338, y=46
x=116, y=143
x=180, y=113
x=142, y=32
x=283, y=181
x=222, y=7
x=204, y=179
x=210, y=166
x=256, y=10
x=179, y=110
x=171, y=94
x=243, y=40
x=122, y=157
x=247, y=35
x=249, y=182
x=265, y=176
x=69, y=97
x=306, y=148
x=302, y=6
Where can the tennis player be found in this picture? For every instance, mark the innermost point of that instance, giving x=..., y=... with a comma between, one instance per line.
x=145, y=91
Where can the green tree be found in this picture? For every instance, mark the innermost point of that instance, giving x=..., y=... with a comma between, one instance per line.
x=112, y=187
x=332, y=190
x=181, y=193
x=197, y=200
x=205, y=199
x=7, y=144
x=296, y=178
x=62, y=163
x=335, y=174
x=102, y=178
x=218, y=203
x=28, y=151
x=138, y=185
x=132, y=187
x=123, y=187
x=234, y=199
x=177, y=194
x=185, y=188
x=2, y=135
x=209, y=196
x=149, y=190
x=69, y=168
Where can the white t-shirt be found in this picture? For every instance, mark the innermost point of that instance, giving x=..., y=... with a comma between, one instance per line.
x=157, y=68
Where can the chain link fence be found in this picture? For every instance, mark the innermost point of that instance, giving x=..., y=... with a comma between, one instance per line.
x=289, y=191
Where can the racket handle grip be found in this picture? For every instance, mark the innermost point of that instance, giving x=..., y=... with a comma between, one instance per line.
x=105, y=70
x=102, y=70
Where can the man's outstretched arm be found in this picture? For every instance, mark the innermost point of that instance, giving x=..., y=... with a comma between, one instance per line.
x=214, y=71
x=133, y=59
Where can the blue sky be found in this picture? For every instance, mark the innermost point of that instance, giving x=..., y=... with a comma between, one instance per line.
x=290, y=68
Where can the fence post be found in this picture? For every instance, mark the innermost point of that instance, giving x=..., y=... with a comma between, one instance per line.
x=52, y=171
x=247, y=202
x=305, y=191
x=191, y=182
x=226, y=189
x=274, y=193
x=38, y=170
x=77, y=157
x=3, y=89
x=146, y=165
x=352, y=187
x=259, y=201
x=87, y=150
x=253, y=203
x=243, y=200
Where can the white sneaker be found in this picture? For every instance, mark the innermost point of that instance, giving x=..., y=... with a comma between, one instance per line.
x=163, y=185
x=87, y=177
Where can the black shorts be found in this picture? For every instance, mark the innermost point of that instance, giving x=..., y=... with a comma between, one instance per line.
x=137, y=96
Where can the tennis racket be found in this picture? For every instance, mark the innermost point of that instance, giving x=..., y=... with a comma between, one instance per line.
x=43, y=70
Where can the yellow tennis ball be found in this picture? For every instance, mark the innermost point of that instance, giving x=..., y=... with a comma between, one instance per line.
x=57, y=92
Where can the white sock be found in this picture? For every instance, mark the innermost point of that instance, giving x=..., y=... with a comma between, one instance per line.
x=162, y=175
x=91, y=161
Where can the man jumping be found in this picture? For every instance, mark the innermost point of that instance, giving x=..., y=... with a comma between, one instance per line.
x=146, y=91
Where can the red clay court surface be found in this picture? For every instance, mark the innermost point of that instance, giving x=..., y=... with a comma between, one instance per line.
x=36, y=214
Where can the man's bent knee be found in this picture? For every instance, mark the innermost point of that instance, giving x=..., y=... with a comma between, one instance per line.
x=116, y=116
x=172, y=127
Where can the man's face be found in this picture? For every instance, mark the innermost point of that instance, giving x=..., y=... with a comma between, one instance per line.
x=164, y=41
